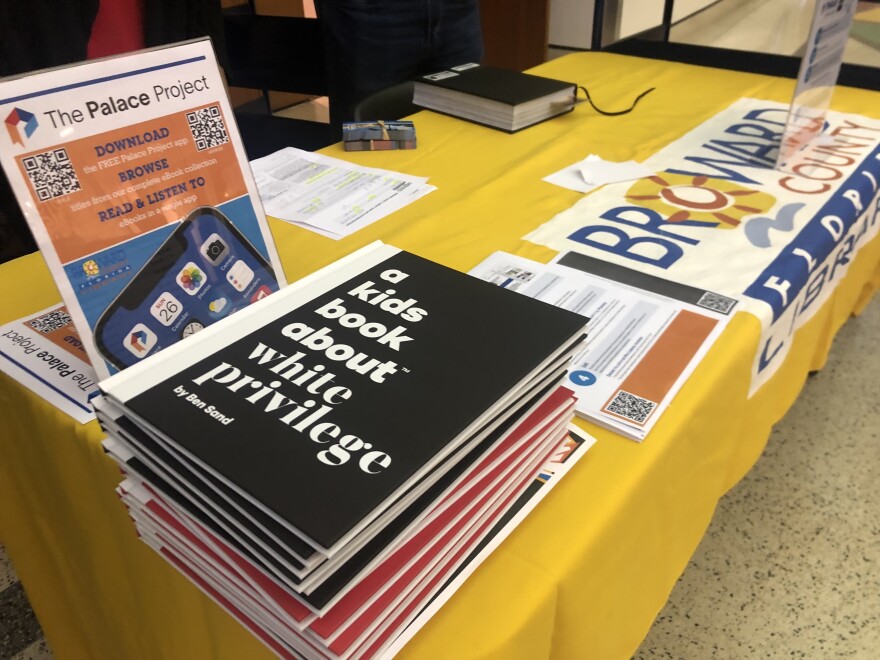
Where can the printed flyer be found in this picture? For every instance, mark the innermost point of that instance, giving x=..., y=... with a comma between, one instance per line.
x=44, y=352
x=134, y=181
x=645, y=335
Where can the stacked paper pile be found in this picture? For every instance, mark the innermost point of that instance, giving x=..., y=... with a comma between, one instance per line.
x=326, y=461
x=332, y=197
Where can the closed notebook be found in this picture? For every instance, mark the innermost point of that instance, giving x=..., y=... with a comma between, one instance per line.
x=504, y=99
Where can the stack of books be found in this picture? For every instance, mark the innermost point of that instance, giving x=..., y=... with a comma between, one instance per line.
x=325, y=463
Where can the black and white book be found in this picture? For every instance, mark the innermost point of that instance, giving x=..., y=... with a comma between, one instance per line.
x=326, y=403
x=337, y=576
x=322, y=461
x=500, y=98
x=385, y=601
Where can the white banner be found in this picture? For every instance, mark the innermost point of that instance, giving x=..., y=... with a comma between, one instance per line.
x=719, y=217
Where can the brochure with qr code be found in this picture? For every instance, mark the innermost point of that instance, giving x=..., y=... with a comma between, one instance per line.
x=645, y=335
x=134, y=181
x=44, y=352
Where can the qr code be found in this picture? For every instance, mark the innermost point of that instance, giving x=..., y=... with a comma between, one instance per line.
x=50, y=322
x=207, y=127
x=631, y=407
x=716, y=302
x=51, y=174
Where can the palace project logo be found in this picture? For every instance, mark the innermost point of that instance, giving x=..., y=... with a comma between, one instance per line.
x=21, y=124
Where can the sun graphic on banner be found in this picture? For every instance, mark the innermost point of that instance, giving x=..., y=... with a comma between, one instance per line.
x=90, y=268
x=680, y=198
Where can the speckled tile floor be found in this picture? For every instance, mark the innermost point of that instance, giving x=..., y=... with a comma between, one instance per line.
x=790, y=565
x=20, y=634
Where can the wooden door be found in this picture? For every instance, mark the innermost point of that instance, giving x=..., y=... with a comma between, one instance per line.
x=515, y=32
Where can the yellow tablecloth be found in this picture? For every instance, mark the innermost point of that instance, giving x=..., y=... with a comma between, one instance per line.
x=587, y=572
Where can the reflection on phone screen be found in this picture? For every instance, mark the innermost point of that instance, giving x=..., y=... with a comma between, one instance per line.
x=204, y=271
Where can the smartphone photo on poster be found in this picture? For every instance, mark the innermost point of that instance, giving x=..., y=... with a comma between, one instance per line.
x=205, y=270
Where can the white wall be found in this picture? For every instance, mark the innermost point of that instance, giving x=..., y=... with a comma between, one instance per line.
x=571, y=21
x=637, y=16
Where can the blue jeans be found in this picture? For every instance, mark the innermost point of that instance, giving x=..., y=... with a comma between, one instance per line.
x=374, y=44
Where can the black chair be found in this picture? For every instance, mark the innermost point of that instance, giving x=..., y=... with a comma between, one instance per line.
x=278, y=53
x=263, y=133
x=393, y=102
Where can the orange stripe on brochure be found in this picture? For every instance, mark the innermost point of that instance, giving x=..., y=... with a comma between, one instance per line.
x=668, y=357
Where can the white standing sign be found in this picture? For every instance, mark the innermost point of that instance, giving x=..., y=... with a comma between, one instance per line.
x=44, y=353
x=134, y=181
x=818, y=73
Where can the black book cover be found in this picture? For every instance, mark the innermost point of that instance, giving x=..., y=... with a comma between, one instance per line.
x=496, y=84
x=170, y=492
x=347, y=572
x=146, y=448
x=323, y=404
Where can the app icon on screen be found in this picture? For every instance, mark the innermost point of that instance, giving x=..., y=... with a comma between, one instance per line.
x=218, y=307
x=214, y=249
x=260, y=293
x=166, y=309
x=240, y=275
x=191, y=278
x=140, y=340
x=192, y=328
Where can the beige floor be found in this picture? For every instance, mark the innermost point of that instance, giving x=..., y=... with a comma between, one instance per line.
x=766, y=26
x=790, y=566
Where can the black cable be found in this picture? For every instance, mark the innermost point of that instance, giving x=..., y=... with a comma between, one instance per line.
x=619, y=112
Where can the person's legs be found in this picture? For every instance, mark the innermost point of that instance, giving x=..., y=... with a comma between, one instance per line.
x=370, y=45
x=456, y=35
x=374, y=44
x=15, y=236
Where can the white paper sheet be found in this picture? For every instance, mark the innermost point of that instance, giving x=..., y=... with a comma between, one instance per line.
x=592, y=172
x=641, y=346
x=599, y=172
x=330, y=196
